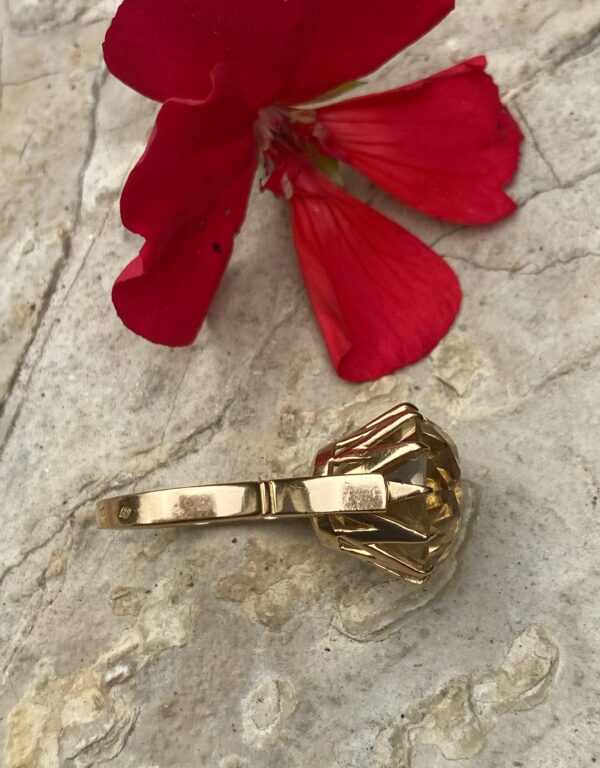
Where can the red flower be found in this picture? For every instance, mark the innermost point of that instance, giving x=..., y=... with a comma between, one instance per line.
x=229, y=73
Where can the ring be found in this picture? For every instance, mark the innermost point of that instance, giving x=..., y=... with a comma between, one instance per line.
x=388, y=493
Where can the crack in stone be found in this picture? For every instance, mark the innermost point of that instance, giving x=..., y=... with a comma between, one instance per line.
x=589, y=173
x=28, y=80
x=594, y=170
x=49, y=293
x=446, y=235
x=536, y=144
x=520, y=270
x=176, y=396
x=565, y=369
x=276, y=328
x=571, y=184
x=179, y=450
x=538, y=28
x=587, y=44
x=186, y=445
x=448, y=385
x=62, y=261
x=562, y=371
x=44, y=305
x=36, y=613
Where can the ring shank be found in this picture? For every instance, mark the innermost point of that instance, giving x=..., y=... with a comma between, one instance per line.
x=241, y=502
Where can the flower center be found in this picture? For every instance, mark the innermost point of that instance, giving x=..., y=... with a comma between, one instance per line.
x=285, y=126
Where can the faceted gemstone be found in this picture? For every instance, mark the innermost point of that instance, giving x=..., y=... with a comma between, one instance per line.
x=420, y=463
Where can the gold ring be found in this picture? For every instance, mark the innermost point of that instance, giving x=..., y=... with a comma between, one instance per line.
x=389, y=494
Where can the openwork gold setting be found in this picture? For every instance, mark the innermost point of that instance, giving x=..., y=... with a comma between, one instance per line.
x=389, y=494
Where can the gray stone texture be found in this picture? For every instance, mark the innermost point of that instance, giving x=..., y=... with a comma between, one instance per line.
x=253, y=647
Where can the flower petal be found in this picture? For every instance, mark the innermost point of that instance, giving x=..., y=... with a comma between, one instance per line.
x=354, y=37
x=187, y=196
x=445, y=145
x=165, y=293
x=166, y=49
x=383, y=299
x=192, y=148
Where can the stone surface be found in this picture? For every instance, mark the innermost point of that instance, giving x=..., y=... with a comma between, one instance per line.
x=252, y=648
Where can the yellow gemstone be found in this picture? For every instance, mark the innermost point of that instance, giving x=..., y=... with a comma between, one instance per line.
x=421, y=464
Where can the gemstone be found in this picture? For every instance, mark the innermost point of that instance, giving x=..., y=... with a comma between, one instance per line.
x=420, y=463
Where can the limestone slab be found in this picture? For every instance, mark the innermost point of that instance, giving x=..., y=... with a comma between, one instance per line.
x=252, y=648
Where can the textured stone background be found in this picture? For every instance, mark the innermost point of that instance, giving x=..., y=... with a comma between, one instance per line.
x=254, y=647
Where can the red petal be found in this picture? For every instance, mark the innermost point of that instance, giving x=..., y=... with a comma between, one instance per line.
x=354, y=38
x=445, y=145
x=167, y=49
x=383, y=299
x=165, y=293
x=187, y=196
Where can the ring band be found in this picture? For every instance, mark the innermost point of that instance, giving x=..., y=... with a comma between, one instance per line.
x=389, y=494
